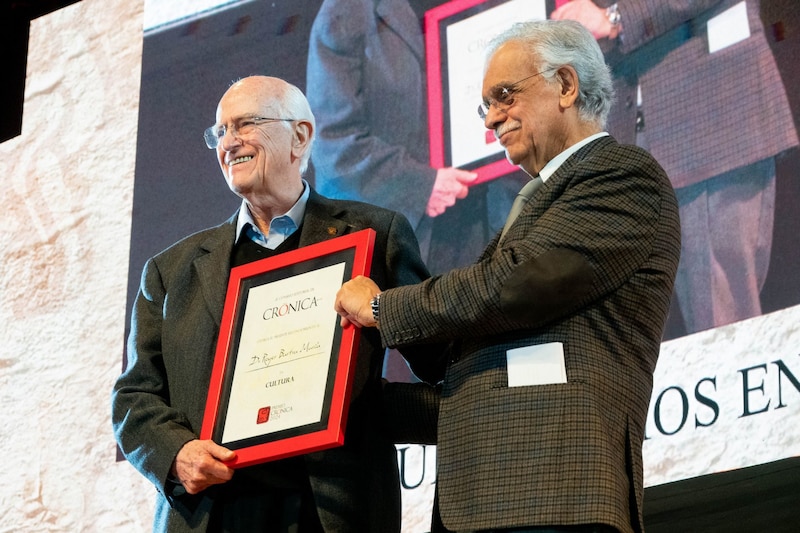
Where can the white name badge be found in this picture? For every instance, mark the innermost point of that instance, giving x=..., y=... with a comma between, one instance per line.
x=727, y=28
x=540, y=364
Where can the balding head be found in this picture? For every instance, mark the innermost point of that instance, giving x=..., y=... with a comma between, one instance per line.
x=274, y=98
x=263, y=140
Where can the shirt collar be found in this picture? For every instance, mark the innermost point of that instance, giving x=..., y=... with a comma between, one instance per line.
x=295, y=214
x=556, y=162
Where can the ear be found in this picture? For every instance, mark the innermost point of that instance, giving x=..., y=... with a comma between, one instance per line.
x=301, y=138
x=568, y=79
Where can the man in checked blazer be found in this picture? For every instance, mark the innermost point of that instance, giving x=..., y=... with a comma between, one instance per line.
x=263, y=141
x=584, y=275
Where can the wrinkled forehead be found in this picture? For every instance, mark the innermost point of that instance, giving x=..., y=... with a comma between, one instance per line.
x=241, y=101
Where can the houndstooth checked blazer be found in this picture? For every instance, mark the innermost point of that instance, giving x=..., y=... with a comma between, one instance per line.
x=590, y=263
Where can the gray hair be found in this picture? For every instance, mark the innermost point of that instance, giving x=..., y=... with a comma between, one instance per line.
x=294, y=104
x=555, y=43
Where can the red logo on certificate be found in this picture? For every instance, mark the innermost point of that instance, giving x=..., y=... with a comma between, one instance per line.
x=263, y=415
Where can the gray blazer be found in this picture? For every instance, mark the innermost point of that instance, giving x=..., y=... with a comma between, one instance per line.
x=589, y=263
x=158, y=401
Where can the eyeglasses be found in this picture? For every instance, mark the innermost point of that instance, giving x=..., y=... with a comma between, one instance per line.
x=242, y=126
x=503, y=97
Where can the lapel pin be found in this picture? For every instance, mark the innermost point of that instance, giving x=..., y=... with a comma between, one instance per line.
x=331, y=230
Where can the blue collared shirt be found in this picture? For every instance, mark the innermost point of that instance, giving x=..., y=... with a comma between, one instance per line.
x=280, y=227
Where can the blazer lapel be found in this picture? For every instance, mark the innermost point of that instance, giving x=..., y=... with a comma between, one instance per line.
x=214, y=266
x=544, y=196
x=322, y=221
x=564, y=170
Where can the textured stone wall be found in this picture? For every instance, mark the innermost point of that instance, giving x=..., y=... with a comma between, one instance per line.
x=64, y=238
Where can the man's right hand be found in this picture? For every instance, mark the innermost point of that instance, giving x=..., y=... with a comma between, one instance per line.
x=199, y=464
x=451, y=184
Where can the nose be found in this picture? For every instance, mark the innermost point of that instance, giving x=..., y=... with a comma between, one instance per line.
x=494, y=117
x=229, y=140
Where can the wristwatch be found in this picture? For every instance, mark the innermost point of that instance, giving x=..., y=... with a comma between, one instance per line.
x=375, y=303
x=612, y=12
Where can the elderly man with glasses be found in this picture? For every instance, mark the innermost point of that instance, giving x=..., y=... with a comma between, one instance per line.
x=262, y=139
x=556, y=328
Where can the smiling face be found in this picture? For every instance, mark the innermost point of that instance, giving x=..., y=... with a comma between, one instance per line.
x=539, y=123
x=264, y=162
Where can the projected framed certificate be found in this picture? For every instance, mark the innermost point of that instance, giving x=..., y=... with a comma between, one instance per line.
x=283, y=369
x=456, y=35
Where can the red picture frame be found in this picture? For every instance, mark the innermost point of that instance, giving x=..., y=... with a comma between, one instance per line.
x=329, y=263
x=436, y=23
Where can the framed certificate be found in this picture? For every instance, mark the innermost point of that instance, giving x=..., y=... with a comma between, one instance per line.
x=456, y=35
x=283, y=369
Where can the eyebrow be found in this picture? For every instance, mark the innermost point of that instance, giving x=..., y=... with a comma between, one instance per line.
x=498, y=87
x=240, y=117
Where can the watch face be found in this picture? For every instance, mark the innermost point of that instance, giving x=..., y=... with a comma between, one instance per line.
x=375, y=304
x=612, y=12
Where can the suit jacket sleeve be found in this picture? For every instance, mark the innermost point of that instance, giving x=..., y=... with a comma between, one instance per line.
x=588, y=230
x=157, y=405
x=407, y=412
x=149, y=431
x=404, y=266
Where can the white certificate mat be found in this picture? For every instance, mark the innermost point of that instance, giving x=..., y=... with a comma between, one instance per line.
x=284, y=358
x=284, y=366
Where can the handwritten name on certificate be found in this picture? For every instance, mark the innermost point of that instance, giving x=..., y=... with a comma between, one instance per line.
x=282, y=366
